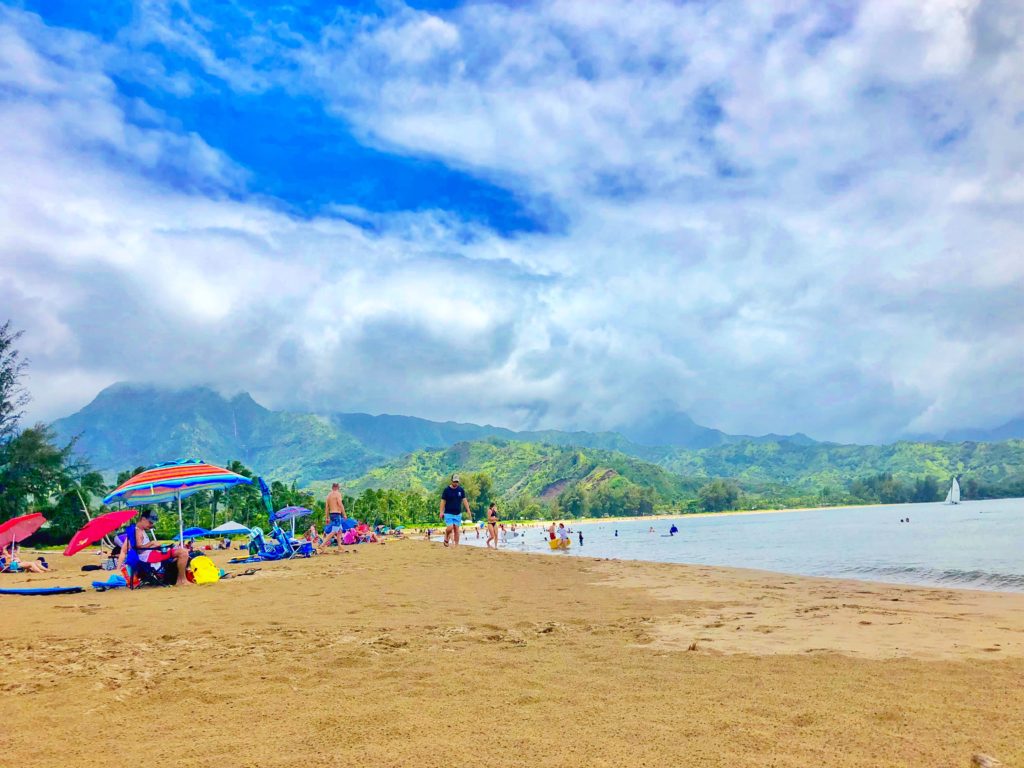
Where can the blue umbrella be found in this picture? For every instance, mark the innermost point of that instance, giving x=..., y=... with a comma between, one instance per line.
x=290, y=513
x=191, y=533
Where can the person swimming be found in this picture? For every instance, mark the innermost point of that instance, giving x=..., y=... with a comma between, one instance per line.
x=673, y=530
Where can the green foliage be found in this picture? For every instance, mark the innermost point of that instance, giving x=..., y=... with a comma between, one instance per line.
x=718, y=496
x=808, y=469
x=13, y=397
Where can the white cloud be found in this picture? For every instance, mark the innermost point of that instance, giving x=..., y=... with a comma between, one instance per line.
x=778, y=217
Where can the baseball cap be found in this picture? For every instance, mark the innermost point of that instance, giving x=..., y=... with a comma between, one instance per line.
x=150, y=514
x=455, y=479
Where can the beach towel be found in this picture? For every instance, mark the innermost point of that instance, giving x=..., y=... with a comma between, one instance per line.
x=115, y=581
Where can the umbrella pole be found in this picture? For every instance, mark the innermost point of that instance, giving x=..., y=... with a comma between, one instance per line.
x=181, y=524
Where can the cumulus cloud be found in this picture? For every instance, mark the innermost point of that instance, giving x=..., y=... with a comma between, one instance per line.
x=777, y=217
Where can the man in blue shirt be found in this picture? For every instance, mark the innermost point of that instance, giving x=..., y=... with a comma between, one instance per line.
x=453, y=500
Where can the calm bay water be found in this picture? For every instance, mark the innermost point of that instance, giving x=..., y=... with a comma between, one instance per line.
x=976, y=544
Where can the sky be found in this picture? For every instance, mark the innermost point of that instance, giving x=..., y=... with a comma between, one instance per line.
x=774, y=216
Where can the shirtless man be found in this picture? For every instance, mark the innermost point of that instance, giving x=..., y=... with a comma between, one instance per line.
x=334, y=513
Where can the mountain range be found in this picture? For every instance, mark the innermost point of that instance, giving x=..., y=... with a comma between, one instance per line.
x=130, y=425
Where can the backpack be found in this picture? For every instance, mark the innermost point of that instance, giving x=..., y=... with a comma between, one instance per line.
x=203, y=570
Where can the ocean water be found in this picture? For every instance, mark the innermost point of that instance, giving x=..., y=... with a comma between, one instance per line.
x=976, y=544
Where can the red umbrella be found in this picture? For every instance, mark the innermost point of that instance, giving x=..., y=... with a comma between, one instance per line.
x=97, y=528
x=20, y=528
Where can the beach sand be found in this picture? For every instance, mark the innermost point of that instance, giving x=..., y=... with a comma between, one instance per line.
x=413, y=655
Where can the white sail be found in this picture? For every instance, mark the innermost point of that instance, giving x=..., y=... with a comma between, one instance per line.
x=949, y=495
x=954, y=492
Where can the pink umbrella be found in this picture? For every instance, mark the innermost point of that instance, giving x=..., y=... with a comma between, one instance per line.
x=20, y=528
x=97, y=528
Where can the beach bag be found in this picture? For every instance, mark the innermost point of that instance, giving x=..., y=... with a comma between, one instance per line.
x=202, y=570
x=349, y=537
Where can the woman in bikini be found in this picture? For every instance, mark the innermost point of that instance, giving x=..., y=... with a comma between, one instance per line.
x=492, y=525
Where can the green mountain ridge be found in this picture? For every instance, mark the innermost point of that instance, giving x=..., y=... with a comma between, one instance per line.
x=808, y=467
x=132, y=425
x=534, y=470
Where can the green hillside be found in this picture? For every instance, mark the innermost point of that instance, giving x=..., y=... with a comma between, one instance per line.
x=138, y=425
x=809, y=468
x=533, y=470
x=128, y=426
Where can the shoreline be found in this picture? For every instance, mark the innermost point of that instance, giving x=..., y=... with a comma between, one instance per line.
x=740, y=569
x=687, y=515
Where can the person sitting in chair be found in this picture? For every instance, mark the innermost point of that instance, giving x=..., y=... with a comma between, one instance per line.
x=172, y=561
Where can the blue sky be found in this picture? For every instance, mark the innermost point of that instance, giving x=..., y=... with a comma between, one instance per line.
x=797, y=216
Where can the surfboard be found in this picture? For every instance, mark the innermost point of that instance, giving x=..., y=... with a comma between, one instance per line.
x=42, y=591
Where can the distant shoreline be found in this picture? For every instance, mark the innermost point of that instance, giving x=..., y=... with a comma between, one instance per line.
x=682, y=515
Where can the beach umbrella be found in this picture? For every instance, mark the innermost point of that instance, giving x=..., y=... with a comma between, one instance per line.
x=174, y=480
x=97, y=528
x=291, y=513
x=20, y=528
x=192, y=533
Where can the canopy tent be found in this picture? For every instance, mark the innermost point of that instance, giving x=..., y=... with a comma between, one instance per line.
x=230, y=528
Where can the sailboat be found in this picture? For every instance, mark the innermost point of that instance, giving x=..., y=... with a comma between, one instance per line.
x=953, y=497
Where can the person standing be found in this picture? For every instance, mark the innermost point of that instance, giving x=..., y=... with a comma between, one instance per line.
x=581, y=538
x=563, y=536
x=453, y=501
x=334, y=514
x=492, y=525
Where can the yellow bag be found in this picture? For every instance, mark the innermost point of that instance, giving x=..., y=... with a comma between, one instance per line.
x=204, y=570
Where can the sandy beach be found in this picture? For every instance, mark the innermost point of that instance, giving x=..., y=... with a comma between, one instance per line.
x=411, y=654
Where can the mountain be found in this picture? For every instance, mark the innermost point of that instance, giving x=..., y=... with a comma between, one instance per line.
x=676, y=429
x=805, y=468
x=1011, y=430
x=129, y=425
x=533, y=470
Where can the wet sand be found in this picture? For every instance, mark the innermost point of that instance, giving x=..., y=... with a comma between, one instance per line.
x=413, y=655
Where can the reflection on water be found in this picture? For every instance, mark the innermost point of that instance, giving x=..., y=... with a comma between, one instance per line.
x=976, y=544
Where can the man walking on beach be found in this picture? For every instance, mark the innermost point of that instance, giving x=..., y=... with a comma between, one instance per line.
x=453, y=500
x=334, y=513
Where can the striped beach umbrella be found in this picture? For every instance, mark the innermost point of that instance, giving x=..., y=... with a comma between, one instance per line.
x=173, y=480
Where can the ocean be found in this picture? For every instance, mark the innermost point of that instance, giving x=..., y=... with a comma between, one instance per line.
x=975, y=545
